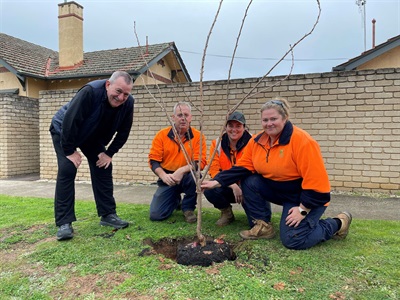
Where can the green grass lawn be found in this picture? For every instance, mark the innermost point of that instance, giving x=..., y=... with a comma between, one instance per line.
x=97, y=264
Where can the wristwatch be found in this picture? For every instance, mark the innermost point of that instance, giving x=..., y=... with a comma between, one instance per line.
x=303, y=212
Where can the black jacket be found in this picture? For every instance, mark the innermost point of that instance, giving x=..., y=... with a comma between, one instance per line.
x=78, y=120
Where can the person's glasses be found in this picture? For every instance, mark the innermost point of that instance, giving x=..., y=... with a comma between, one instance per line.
x=280, y=103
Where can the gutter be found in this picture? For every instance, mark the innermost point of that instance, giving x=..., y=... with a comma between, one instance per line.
x=134, y=74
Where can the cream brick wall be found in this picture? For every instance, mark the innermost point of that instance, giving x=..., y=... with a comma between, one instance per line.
x=19, y=135
x=355, y=117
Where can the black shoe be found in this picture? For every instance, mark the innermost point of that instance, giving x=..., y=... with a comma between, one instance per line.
x=114, y=221
x=65, y=232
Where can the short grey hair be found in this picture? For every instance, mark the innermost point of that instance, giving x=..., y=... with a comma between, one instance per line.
x=117, y=74
x=182, y=104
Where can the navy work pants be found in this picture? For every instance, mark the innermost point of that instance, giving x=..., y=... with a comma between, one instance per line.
x=259, y=192
x=167, y=198
x=220, y=197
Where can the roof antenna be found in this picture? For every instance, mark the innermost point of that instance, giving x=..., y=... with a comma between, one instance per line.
x=147, y=45
x=361, y=7
x=373, y=33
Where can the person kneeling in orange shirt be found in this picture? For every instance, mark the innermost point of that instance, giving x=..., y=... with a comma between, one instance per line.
x=167, y=160
x=283, y=165
x=229, y=151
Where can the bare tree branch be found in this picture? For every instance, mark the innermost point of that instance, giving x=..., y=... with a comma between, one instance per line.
x=234, y=53
x=250, y=94
x=197, y=175
x=283, y=57
x=162, y=104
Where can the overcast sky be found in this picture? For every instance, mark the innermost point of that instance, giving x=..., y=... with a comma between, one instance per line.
x=270, y=28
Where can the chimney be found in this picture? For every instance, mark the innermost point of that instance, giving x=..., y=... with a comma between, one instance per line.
x=373, y=33
x=70, y=34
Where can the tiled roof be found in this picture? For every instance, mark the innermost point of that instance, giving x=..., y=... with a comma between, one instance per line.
x=369, y=55
x=33, y=60
x=24, y=57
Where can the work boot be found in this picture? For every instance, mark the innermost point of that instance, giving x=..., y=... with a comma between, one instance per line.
x=65, y=232
x=190, y=217
x=226, y=218
x=114, y=221
x=346, y=218
x=261, y=230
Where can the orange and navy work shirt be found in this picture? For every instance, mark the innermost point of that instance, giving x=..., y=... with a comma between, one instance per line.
x=294, y=156
x=166, y=152
x=225, y=157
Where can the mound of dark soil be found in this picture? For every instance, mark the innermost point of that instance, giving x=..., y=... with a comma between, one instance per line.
x=196, y=255
x=188, y=251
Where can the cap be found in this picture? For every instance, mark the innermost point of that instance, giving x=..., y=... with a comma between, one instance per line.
x=237, y=116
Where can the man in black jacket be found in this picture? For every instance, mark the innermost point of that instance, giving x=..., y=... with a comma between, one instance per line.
x=98, y=111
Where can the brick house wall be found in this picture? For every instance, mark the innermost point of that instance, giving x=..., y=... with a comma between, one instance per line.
x=354, y=115
x=19, y=135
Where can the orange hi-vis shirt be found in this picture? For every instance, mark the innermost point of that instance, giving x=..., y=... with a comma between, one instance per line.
x=166, y=151
x=224, y=158
x=295, y=155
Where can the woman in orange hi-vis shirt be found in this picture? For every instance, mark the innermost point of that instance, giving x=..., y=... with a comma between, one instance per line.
x=283, y=165
x=229, y=151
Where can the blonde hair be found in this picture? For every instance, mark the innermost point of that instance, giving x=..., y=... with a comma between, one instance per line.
x=280, y=104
